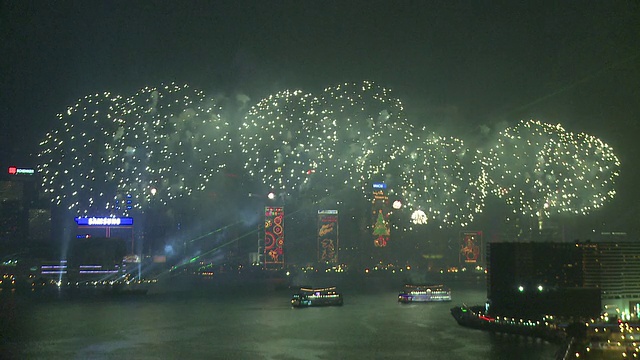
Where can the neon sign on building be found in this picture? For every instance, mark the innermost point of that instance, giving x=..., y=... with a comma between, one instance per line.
x=104, y=221
x=14, y=170
x=328, y=236
x=380, y=210
x=273, y=237
x=379, y=185
x=470, y=247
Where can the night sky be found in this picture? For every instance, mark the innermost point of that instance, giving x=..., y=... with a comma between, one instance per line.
x=458, y=66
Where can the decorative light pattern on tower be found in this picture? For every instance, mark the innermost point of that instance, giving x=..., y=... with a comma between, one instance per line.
x=328, y=236
x=273, y=237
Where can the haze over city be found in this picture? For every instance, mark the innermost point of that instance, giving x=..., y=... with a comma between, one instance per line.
x=462, y=71
x=178, y=178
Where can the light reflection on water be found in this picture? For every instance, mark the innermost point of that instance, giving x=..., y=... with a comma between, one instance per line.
x=207, y=325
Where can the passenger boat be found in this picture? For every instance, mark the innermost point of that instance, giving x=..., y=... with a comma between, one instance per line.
x=474, y=317
x=316, y=297
x=424, y=293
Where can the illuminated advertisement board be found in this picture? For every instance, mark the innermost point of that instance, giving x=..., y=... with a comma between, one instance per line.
x=470, y=247
x=104, y=221
x=273, y=237
x=113, y=227
x=328, y=236
x=14, y=170
x=379, y=185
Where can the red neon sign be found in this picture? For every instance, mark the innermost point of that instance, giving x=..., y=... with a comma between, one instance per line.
x=14, y=170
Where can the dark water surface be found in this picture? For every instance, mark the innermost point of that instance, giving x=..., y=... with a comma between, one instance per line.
x=247, y=325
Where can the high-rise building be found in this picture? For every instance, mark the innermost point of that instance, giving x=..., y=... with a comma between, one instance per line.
x=380, y=210
x=614, y=268
x=540, y=278
x=24, y=217
x=12, y=212
x=273, y=237
x=328, y=236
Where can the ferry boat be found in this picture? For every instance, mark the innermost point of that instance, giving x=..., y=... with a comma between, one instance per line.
x=475, y=318
x=424, y=293
x=316, y=297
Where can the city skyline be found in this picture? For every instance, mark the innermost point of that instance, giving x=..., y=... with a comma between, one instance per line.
x=462, y=70
x=238, y=134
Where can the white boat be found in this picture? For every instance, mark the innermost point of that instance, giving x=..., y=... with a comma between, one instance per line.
x=316, y=297
x=424, y=293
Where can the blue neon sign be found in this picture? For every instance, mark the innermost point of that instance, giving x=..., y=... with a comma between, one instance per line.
x=104, y=221
x=379, y=185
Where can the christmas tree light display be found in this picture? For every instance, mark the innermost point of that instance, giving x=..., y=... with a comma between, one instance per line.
x=380, y=211
x=541, y=169
x=381, y=231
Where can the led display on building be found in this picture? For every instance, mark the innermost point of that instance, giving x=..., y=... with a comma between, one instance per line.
x=104, y=221
x=273, y=237
x=14, y=170
x=113, y=227
x=470, y=247
x=328, y=236
x=380, y=210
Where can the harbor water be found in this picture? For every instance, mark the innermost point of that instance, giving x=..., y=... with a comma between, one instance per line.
x=246, y=323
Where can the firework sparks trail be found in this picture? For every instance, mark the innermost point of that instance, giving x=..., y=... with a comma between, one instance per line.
x=541, y=169
x=111, y=154
x=162, y=144
x=444, y=179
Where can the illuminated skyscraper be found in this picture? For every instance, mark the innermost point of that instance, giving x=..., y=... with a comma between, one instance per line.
x=614, y=268
x=328, y=236
x=21, y=219
x=273, y=237
x=380, y=210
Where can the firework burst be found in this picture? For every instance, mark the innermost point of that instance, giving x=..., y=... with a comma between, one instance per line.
x=541, y=169
x=442, y=179
x=111, y=154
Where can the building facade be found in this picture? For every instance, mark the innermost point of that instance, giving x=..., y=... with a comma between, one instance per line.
x=539, y=278
x=25, y=217
x=614, y=268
